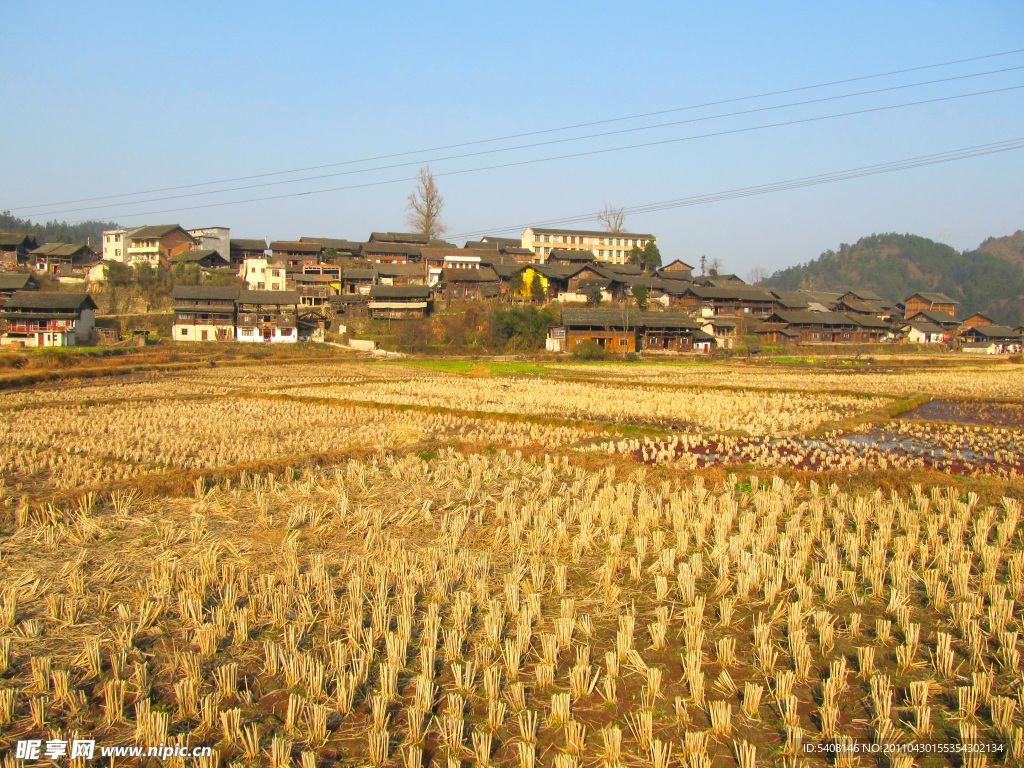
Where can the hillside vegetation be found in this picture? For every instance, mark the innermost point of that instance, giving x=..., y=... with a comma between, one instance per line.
x=1010, y=247
x=57, y=231
x=987, y=280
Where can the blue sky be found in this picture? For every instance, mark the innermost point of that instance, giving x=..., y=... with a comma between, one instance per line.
x=109, y=98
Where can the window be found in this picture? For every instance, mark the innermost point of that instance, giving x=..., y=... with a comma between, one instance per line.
x=622, y=342
x=286, y=331
x=185, y=315
x=184, y=331
x=247, y=331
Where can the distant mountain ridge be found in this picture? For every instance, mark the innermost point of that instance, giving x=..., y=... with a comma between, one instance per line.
x=989, y=279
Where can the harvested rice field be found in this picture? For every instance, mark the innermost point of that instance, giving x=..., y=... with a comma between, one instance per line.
x=575, y=566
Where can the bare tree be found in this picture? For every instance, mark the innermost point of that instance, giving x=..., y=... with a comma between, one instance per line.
x=757, y=275
x=424, y=207
x=612, y=219
x=714, y=266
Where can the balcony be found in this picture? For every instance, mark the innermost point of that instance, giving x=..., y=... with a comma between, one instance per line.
x=253, y=320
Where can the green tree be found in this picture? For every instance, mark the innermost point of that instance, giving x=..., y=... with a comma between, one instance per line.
x=640, y=294
x=145, y=276
x=652, y=256
x=516, y=284
x=521, y=329
x=537, y=288
x=118, y=275
x=647, y=258
x=594, y=296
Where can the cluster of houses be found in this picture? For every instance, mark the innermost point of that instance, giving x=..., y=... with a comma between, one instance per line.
x=286, y=291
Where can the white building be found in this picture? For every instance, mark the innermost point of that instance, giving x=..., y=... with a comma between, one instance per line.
x=261, y=275
x=613, y=247
x=114, y=243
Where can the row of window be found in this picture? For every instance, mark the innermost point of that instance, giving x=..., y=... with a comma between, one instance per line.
x=241, y=332
x=628, y=242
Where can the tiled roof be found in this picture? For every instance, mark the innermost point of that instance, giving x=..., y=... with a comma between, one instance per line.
x=46, y=300
x=400, y=292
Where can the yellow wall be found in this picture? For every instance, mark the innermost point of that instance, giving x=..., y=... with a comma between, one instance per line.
x=528, y=274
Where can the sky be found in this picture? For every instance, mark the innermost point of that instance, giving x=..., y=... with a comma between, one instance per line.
x=113, y=98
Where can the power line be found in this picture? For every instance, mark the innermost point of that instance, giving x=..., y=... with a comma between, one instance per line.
x=778, y=186
x=533, y=145
x=533, y=133
x=577, y=154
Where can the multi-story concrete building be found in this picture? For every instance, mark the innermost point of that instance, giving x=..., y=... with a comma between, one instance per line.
x=114, y=244
x=261, y=274
x=213, y=239
x=155, y=244
x=613, y=247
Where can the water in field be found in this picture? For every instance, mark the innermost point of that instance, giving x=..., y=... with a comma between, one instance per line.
x=904, y=443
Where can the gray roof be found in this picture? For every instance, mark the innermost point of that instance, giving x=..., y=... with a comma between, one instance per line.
x=391, y=249
x=865, y=295
x=668, y=320
x=481, y=275
x=399, y=237
x=995, y=331
x=400, y=270
x=47, y=300
x=358, y=273
x=294, y=246
x=512, y=242
x=334, y=243
x=739, y=292
x=14, y=281
x=579, y=316
x=625, y=316
x=186, y=257
x=268, y=297
x=815, y=318
x=154, y=231
x=791, y=299
x=205, y=292
x=400, y=292
x=570, y=254
x=680, y=262
x=61, y=249
x=869, y=321
x=558, y=271
x=248, y=245
x=13, y=240
x=935, y=316
x=930, y=328
x=934, y=298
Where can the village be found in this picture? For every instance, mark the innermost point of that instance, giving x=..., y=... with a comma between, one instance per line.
x=615, y=295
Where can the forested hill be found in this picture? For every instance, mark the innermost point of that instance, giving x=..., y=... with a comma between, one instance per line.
x=987, y=280
x=56, y=231
x=1010, y=247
